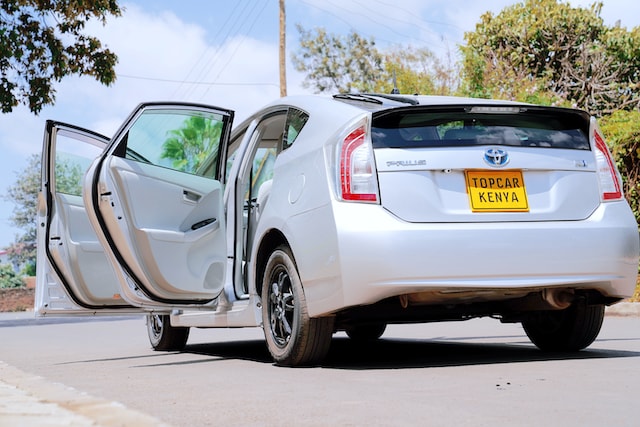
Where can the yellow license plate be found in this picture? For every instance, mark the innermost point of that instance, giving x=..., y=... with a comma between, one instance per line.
x=496, y=191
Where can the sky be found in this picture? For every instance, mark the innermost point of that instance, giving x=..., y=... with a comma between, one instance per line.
x=225, y=53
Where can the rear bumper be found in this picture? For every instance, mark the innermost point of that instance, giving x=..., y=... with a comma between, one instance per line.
x=379, y=256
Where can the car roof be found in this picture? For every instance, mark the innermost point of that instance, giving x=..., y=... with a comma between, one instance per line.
x=348, y=104
x=379, y=101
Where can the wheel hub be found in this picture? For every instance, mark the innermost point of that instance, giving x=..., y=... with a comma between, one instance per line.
x=281, y=308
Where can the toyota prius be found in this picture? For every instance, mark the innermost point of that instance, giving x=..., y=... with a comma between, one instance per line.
x=343, y=213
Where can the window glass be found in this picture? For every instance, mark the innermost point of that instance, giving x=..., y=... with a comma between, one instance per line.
x=232, y=151
x=73, y=158
x=443, y=128
x=296, y=120
x=262, y=168
x=182, y=140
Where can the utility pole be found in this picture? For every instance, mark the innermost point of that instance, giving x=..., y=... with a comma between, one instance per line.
x=283, y=51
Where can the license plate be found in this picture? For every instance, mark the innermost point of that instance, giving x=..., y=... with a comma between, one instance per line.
x=496, y=191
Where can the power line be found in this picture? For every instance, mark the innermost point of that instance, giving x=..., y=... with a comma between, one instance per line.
x=379, y=19
x=209, y=48
x=129, y=76
x=235, y=24
x=242, y=39
x=412, y=14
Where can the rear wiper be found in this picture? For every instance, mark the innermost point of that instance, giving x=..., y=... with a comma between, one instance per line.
x=357, y=97
x=397, y=98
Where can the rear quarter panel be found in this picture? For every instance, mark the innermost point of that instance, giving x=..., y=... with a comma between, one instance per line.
x=302, y=193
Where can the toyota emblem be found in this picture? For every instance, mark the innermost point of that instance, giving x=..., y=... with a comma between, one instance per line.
x=496, y=157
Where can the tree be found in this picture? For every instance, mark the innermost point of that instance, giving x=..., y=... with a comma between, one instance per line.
x=417, y=70
x=69, y=176
x=622, y=130
x=189, y=146
x=337, y=63
x=43, y=41
x=24, y=194
x=8, y=277
x=352, y=63
x=546, y=51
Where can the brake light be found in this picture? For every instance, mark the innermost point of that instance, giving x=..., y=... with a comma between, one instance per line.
x=358, y=181
x=610, y=185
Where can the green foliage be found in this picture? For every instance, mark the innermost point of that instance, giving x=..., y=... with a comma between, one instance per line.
x=196, y=141
x=411, y=70
x=43, y=41
x=9, y=278
x=69, y=176
x=352, y=63
x=24, y=195
x=622, y=132
x=337, y=63
x=29, y=269
x=545, y=51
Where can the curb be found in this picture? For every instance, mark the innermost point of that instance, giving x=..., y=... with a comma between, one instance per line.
x=31, y=401
x=623, y=309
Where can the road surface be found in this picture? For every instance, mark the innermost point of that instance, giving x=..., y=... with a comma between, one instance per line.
x=474, y=373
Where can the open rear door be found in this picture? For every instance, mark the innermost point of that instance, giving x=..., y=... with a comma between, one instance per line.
x=155, y=199
x=74, y=276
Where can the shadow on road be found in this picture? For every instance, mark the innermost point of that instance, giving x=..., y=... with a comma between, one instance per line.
x=406, y=353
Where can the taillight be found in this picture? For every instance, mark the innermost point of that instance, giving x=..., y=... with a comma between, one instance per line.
x=358, y=181
x=610, y=185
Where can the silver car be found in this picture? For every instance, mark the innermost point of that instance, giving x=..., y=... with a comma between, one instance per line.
x=345, y=213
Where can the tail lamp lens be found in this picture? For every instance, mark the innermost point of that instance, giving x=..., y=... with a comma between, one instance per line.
x=610, y=184
x=358, y=180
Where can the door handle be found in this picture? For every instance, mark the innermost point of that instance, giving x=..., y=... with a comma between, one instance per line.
x=203, y=223
x=190, y=196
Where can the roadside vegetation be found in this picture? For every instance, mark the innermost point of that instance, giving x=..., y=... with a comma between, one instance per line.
x=9, y=278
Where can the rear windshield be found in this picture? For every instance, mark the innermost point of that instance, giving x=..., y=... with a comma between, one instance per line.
x=466, y=126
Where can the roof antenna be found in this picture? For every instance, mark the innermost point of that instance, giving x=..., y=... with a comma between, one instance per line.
x=395, y=90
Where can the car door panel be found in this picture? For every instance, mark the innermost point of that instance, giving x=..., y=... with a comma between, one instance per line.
x=73, y=272
x=76, y=249
x=151, y=215
x=155, y=198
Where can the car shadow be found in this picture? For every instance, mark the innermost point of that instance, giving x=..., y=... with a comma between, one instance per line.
x=393, y=353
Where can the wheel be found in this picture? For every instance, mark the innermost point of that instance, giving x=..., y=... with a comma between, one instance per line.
x=163, y=336
x=293, y=338
x=572, y=329
x=366, y=331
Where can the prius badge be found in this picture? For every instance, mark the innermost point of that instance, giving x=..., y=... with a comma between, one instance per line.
x=496, y=157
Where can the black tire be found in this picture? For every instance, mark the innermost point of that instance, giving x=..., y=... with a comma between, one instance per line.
x=163, y=336
x=572, y=329
x=293, y=338
x=366, y=331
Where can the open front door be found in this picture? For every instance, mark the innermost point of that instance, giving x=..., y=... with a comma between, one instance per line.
x=73, y=274
x=155, y=199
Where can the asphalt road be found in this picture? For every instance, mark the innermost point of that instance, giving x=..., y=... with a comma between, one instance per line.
x=474, y=373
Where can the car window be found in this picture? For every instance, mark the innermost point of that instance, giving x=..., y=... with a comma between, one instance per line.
x=296, y=119
x=269, y=135
x=73, y=158
x=262, y=168
x=464, y=126
x=182, y=140
x=232, y=151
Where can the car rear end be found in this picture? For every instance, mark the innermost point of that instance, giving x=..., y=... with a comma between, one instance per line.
x=480, y=206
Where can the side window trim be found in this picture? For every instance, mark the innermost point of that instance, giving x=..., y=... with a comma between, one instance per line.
x=296, y=120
